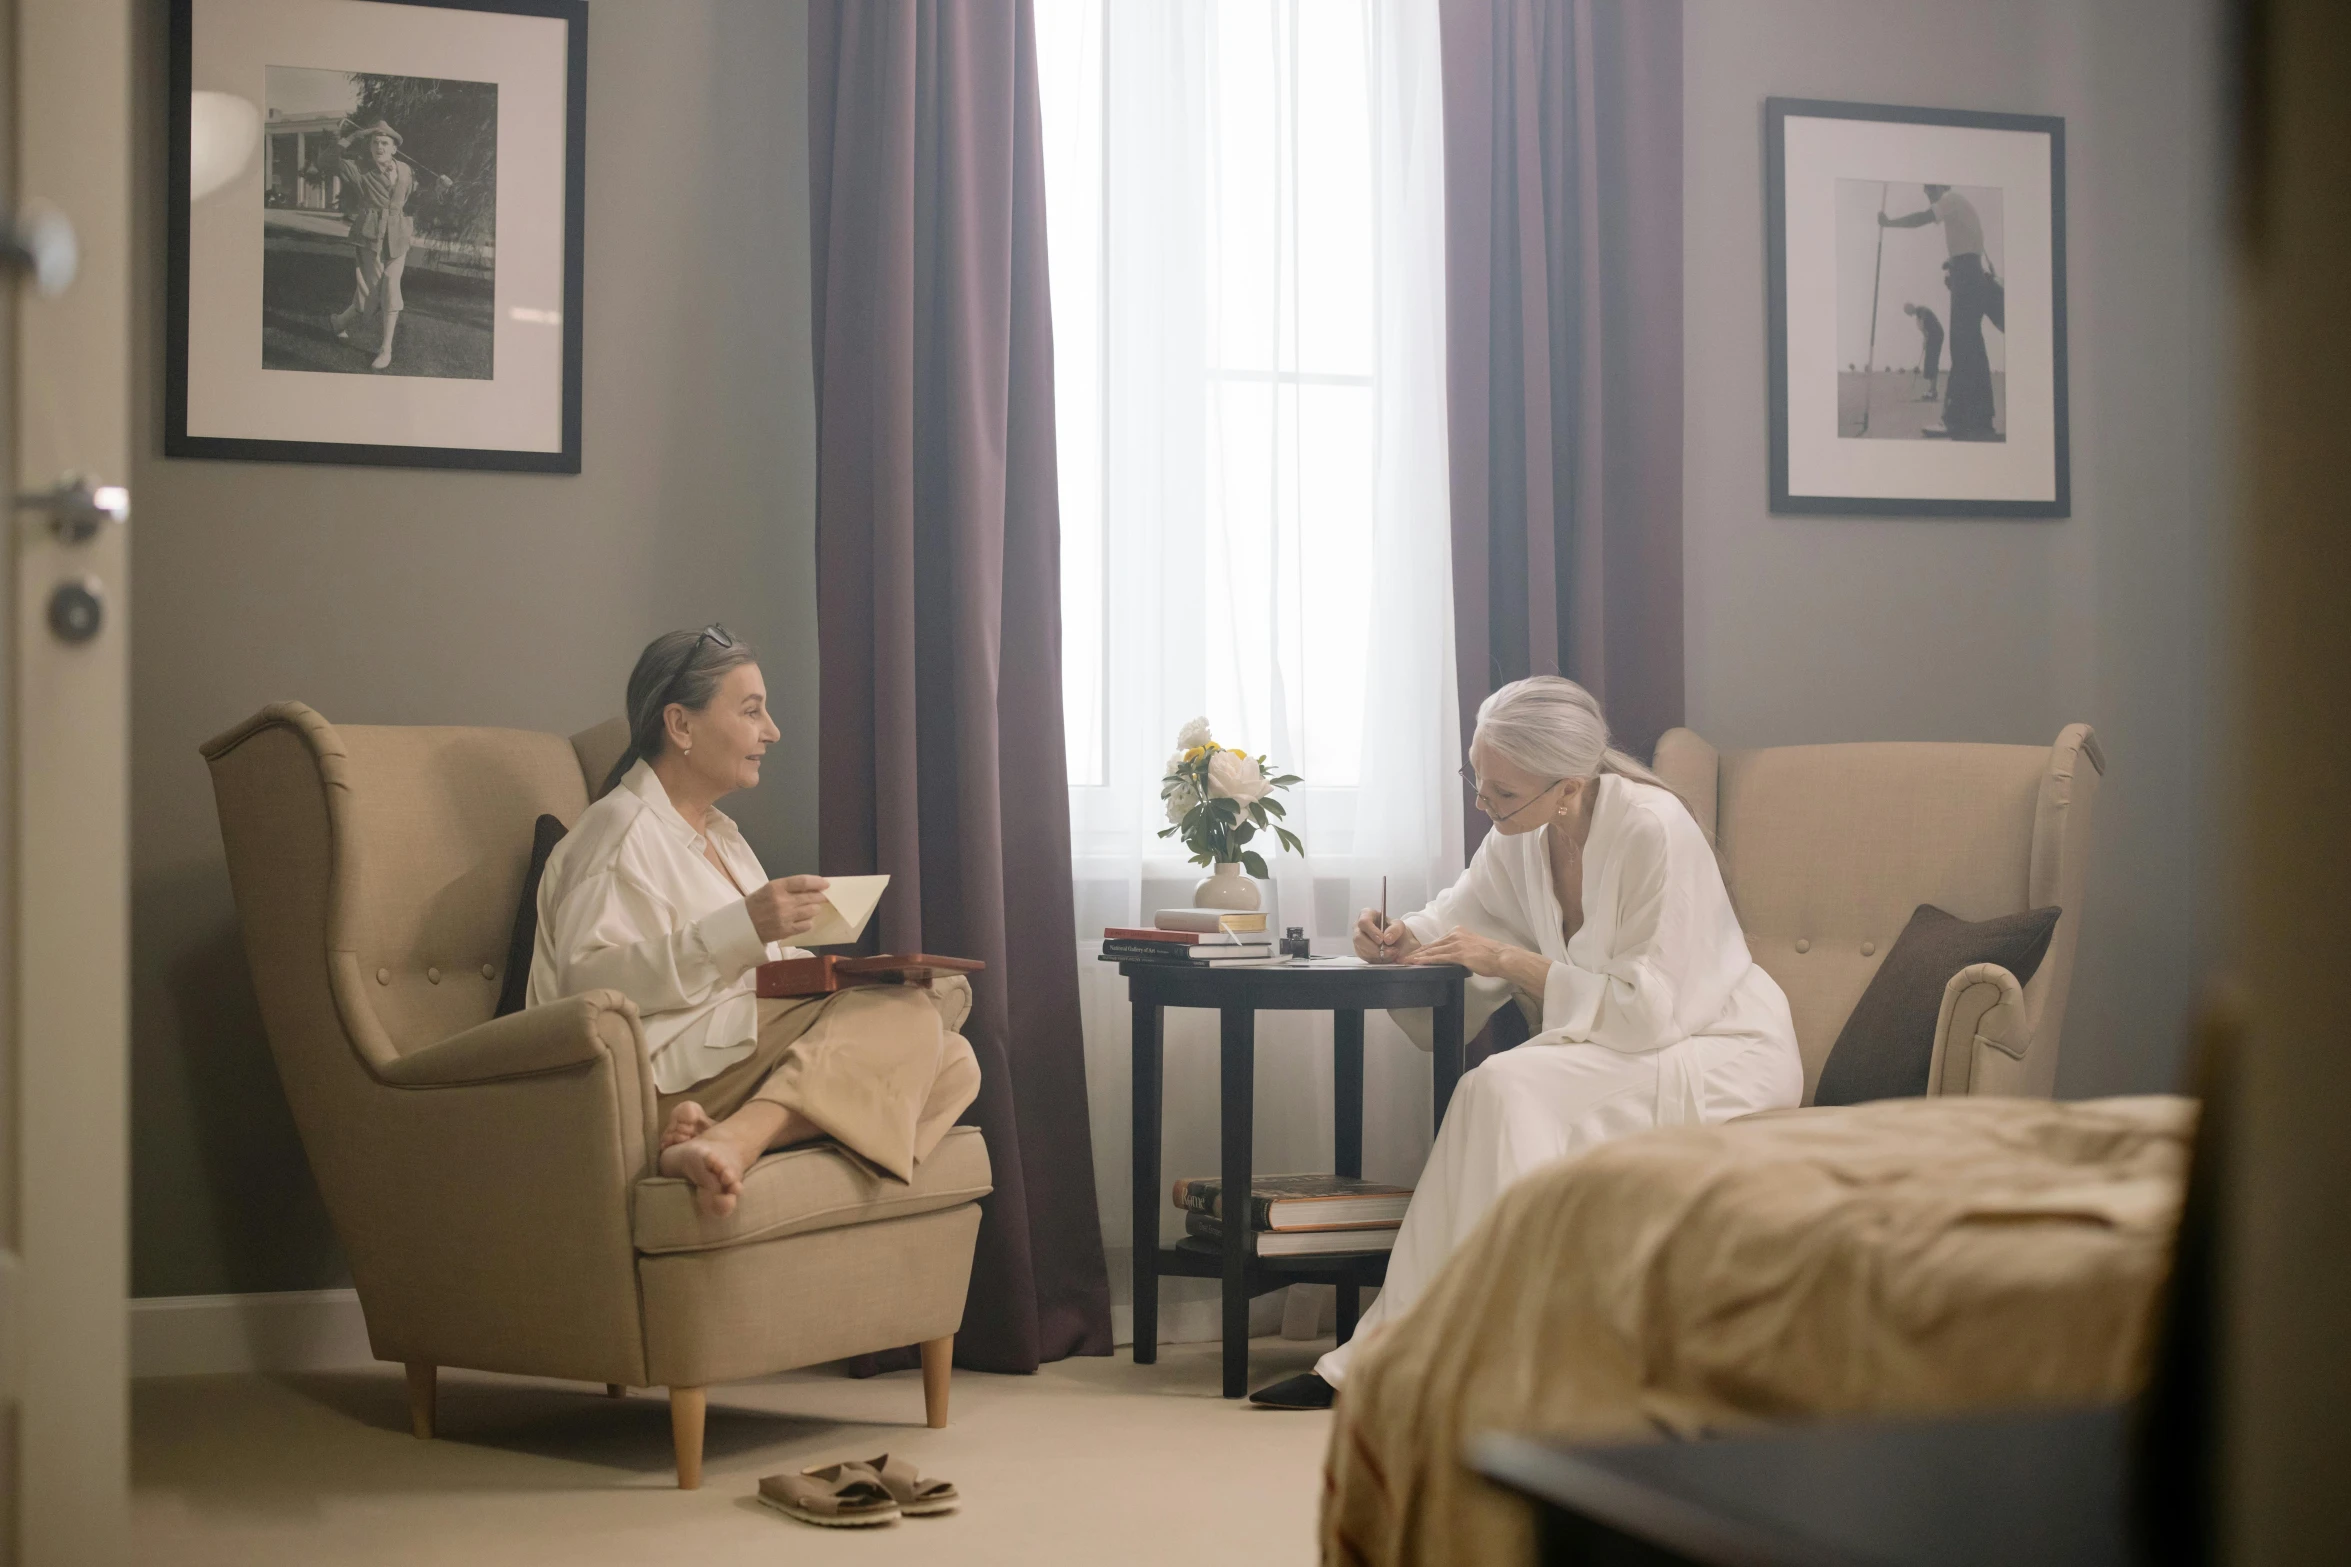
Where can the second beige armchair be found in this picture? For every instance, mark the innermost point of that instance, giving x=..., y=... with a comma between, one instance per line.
x=492, y=1180
x=1828, y=849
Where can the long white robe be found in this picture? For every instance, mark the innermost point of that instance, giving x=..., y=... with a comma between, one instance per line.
x=1655, y=1014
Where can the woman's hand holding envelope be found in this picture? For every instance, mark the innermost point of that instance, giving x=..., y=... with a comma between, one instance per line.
x=787, y=906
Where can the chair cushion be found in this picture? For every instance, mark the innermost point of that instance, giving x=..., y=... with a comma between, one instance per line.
x=1888, y=1044
x=546, y=833
x=812, y=1187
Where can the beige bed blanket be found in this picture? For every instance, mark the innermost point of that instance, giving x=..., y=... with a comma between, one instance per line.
x=1911, y=1256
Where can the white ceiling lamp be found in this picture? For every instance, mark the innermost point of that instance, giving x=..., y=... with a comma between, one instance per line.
x=223, y=130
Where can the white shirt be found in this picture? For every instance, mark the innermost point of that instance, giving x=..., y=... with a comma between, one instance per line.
x=1659, y=958
x=1963, y=231
x=630, y=902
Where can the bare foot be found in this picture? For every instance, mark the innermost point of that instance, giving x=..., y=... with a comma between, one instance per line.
x=687, y=1122
x=714, y=1167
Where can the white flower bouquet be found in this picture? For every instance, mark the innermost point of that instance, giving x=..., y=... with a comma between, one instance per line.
x=1219, y=798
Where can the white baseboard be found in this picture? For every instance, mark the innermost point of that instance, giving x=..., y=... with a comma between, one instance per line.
x=202, y=1335
x=1191, y=1310
x=322, y=1330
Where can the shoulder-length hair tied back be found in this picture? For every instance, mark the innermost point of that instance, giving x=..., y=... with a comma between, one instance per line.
x=685, y=667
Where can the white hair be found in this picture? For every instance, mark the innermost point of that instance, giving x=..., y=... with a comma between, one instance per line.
x=1554, y=729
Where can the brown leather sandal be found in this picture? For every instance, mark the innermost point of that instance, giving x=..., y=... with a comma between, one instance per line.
x=916, y=1497
x=834, y=1496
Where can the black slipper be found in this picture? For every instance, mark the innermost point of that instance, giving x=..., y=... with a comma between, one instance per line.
x=1303, y=1391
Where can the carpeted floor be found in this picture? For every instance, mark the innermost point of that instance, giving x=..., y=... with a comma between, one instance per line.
x=1093, y=1461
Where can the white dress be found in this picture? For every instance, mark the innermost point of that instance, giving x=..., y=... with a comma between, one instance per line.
x=1654, y=1015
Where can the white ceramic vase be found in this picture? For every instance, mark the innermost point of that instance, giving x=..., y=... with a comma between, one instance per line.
x=1227, y=889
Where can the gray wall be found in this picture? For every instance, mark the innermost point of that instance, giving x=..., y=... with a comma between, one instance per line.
x=408, y=597
x=1816, y=629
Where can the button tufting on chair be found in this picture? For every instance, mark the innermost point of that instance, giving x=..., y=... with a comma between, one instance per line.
x=489, y=972
x=1868, y=948
x=1803, y=944
x=383, y=976
x=433, y=974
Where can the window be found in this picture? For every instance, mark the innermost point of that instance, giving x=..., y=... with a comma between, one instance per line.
x=1222, y=205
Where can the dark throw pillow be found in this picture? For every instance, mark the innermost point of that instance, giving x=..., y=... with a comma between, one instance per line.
x=546, y=833
x=1886, y=1046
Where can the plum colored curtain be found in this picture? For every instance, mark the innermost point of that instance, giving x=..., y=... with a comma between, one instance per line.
x=1563, y=213
x=938, y=596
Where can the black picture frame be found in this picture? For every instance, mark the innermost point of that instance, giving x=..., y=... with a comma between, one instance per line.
x=1777, y=113
x=177, y=442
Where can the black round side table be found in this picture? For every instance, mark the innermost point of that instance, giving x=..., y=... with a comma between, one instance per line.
x=1237, y=995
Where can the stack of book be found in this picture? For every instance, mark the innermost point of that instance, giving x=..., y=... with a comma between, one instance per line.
x=1300, y=1215
x=1219, y=937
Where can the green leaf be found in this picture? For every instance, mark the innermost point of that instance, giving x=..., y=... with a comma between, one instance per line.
x=1257, y=812
x=1244, y=834
x=1254, y=863
x=1274, y=805
x=1286, y=780
x=1290, y=840
x=1201, y=859
x=1167, y=832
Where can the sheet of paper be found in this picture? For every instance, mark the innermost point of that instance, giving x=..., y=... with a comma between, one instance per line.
x=849, y=903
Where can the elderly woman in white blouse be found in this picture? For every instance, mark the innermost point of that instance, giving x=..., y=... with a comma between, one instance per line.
x=655, y=894
x=1598, y=901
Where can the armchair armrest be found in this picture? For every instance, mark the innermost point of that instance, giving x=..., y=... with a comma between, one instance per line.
x=1982, y=1023
x=492, y=1227
x=549, y=1038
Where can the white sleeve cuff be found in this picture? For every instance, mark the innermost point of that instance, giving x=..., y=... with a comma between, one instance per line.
x=1571, y=1000
x=732, y=941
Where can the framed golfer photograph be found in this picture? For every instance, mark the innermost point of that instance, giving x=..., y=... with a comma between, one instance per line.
x=375, y=232
x=1917, y=301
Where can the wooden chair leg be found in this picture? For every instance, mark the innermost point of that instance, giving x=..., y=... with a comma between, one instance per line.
x=687, y=1406
x=422, y=1388
x=614, y=1390
x=938, y=1361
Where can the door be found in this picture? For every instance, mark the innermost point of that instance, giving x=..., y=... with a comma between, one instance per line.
x=65, y=76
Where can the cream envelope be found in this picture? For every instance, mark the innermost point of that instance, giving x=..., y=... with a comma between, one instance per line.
x=849, y=903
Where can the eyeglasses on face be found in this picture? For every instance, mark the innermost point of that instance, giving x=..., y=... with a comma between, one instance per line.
x=1470, y=778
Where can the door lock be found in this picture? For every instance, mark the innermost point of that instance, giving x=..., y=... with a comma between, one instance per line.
x=77, y=609
x=77, y=508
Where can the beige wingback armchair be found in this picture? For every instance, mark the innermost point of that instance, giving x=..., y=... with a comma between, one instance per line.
x=493, y=1180
x=1828, y=849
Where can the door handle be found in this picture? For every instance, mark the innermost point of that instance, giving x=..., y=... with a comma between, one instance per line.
x=40, y=244
x=77, y=509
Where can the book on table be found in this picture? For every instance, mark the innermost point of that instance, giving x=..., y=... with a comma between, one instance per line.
x=1212, y=952
x=1298, y=1243
x=1187, y=938
x=1301, y=1202
x=1210, y=920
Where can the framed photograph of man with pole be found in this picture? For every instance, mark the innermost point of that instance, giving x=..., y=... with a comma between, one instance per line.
x=375, y=232
x=1917, y=304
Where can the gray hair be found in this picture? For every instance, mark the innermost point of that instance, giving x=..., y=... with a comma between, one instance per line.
x=685, y=667
x=1554, y=729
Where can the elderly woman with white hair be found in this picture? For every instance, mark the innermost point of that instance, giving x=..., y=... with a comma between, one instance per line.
x=1597, y=900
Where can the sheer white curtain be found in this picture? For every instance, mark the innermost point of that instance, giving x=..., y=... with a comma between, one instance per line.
x=1247, y=251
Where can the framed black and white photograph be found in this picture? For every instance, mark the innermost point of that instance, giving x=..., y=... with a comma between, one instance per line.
x=1917, y=300
x=375, y=232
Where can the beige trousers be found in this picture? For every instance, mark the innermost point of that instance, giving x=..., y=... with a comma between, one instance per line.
x=879, y=1069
